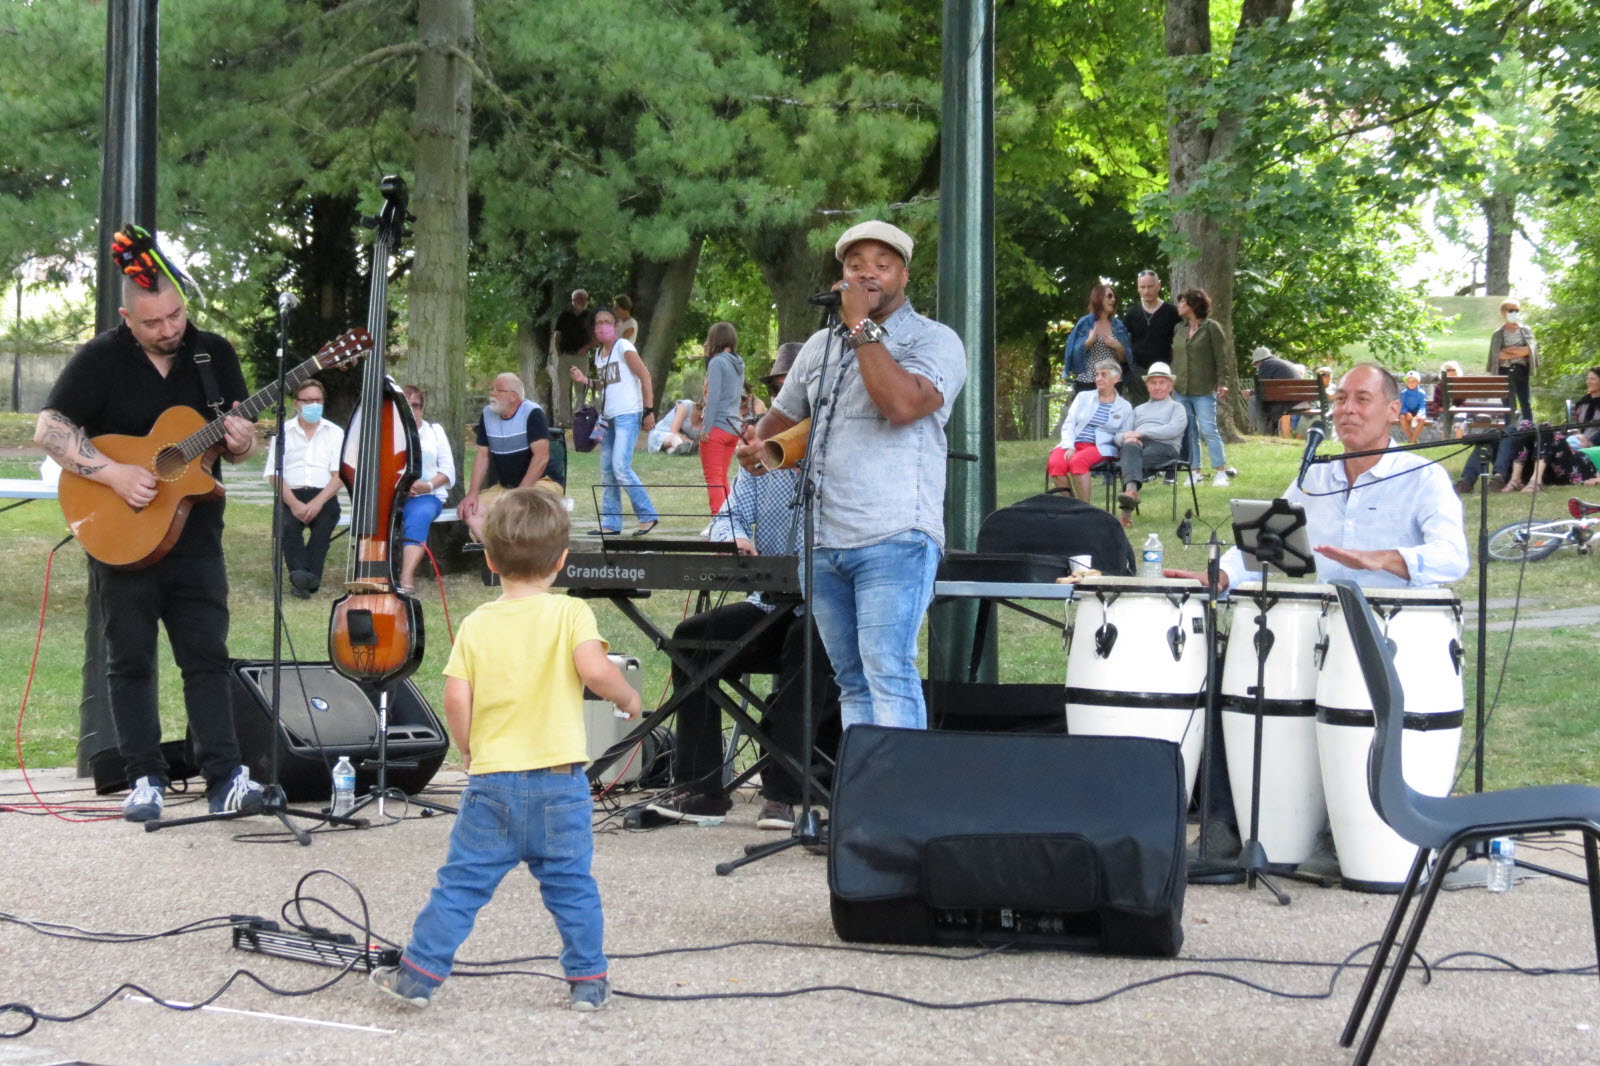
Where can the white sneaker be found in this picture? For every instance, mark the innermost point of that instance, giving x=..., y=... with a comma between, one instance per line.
x=1196, y=478
x=1221, y=480
x=144, y=802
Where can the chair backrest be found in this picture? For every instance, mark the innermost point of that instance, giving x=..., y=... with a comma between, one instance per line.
x=1395, y=801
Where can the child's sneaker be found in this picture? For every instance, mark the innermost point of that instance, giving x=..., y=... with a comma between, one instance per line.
x=590, y=995
x=403, y=985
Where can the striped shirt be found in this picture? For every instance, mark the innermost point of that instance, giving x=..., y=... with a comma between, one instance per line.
x=1102, y=412
x=764, y=511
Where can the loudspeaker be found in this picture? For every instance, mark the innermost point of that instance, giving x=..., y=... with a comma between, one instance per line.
x=1061, y=841
x=324, y=715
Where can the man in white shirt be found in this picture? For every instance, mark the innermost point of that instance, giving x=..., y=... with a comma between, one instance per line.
x=309, y=492
x=1383, y=521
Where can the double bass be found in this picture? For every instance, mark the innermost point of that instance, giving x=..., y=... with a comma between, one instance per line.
x=375, y=632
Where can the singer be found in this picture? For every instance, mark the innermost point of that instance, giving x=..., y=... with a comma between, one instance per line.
x=878, y=456
x=1383, y=521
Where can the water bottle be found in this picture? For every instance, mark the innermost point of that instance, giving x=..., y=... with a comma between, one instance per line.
x=1502, y=863
x=344, y=786
x=1150, y=563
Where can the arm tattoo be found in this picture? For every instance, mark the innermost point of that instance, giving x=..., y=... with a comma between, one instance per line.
x=66, y=444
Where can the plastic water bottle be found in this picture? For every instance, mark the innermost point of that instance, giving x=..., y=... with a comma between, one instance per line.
x=1150, y=562
x=1502, y=863
x=344, y=786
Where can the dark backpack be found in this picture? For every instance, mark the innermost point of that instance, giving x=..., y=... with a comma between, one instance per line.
x=1057, y=525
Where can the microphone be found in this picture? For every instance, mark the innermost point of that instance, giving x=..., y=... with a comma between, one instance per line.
x=824, y=299
x=1314, y=437
x=287, y=301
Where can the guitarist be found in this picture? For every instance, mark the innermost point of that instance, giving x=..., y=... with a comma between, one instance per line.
x=121, y=382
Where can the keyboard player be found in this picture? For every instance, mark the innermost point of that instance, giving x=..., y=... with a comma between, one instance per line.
x=760, y=517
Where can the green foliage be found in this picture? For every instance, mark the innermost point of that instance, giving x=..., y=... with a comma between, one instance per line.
x=1568, y=328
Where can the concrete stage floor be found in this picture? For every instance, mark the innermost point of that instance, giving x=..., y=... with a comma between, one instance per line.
x=661, y=894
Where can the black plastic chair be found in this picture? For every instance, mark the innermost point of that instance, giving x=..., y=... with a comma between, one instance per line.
x=1440, y=824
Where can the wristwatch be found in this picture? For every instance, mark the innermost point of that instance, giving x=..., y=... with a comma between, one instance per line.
x=869, y=332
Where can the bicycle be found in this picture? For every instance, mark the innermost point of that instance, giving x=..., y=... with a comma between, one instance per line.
x=1535, y=539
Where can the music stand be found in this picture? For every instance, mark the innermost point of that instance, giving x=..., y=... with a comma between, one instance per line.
x=1271, y=536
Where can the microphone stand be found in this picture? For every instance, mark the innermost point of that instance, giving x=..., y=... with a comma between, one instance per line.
x=807, y=828
x=273, y=800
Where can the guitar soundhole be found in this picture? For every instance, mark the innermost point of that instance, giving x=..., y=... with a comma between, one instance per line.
x=170, y=463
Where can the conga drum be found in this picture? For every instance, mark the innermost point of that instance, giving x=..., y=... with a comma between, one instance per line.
x=1136, y=662
x=1292, y=808
x=1425, y=627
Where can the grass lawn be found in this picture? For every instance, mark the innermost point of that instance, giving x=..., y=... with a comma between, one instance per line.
x=1543, y=729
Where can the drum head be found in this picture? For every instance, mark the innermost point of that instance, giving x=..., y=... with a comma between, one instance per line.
x=1286, y=590
x=1155, y=585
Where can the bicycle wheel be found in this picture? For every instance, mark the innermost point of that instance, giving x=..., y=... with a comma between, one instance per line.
x=1527, y=540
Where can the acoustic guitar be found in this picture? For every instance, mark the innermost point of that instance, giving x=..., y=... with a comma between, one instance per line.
x=180, y=450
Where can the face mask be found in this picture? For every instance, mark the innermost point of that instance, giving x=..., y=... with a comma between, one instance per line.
x=311, y=412
x=1513, y=316
x=605, y=331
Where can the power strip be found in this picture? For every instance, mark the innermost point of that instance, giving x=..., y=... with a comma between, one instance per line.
x=338, y=950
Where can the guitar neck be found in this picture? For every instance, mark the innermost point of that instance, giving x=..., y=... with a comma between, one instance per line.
x=197, y=443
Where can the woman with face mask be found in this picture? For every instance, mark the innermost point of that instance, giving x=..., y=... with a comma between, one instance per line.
x=627, y=407
x=309, y=493
x=1512, y=352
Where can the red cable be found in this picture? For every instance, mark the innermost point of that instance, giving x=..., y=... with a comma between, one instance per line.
x=444, y=603
x=27, y=689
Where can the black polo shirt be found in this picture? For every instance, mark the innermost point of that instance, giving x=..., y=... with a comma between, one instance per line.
x=110, y=386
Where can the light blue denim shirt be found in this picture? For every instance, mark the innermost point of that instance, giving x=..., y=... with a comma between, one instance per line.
x=877, y=479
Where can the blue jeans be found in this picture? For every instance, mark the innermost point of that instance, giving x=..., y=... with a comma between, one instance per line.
x=1202, y=411
x=538, y=817
x=869, y=604
x=616, y=456
x=417, y=516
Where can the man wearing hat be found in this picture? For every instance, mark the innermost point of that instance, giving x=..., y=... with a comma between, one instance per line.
x=760, y=518
x=881, y=387
x=1155, y=440
x=1269, y=367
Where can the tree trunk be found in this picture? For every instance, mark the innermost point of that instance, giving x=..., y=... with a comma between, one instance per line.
x=1206, y=250
x=1500, y=214
x=442, y=123
x=793, y=272
x=661, y=294
x=533, y=360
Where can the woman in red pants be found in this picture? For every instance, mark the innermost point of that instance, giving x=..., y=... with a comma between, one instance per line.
x=720, y=417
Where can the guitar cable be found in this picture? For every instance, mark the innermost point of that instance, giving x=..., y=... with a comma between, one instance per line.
x=40, y=804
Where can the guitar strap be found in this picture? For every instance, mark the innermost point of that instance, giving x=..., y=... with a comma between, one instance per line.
x=208, y=381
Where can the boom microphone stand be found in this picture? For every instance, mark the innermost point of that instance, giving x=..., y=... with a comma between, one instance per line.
x=274, y=802
x=807, y=824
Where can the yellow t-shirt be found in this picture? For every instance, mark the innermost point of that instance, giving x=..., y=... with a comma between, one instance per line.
x=527, y=697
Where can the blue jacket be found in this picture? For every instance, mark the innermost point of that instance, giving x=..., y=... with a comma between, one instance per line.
x=1078, y=344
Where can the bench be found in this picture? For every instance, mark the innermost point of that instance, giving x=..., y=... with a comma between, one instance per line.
x=1482, y=398
x=1304, y=393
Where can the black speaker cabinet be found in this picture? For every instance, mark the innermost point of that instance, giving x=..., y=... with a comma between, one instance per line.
x=325, y=715
x=1055, y=840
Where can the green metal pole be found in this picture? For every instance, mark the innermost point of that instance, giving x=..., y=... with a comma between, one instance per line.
x=966, y=305
x=127, y=194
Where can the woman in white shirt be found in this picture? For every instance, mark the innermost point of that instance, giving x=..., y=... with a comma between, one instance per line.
x=428, y=492
x=627, y=407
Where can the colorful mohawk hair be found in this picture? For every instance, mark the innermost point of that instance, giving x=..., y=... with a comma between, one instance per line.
x=134, y=249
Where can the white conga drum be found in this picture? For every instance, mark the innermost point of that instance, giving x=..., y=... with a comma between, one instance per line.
x=1136, y=662
x=1425, y=626
x=1292, y=807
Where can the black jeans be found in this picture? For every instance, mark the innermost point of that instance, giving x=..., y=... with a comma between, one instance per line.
x=1137, y=460
x=189, y=596
x=307, y=553
x=697, y=755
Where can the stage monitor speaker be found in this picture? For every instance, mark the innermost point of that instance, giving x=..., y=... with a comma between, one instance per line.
x=1061, y=841
x=324, y=715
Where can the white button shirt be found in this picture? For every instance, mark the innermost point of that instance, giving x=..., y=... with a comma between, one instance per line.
x=1404, y=503
x=308, y=462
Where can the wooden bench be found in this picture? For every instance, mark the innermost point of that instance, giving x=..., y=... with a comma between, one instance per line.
x=1482, y=398
x=1305, y=393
